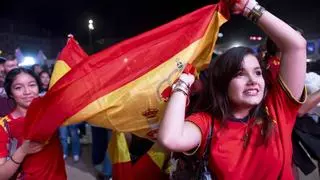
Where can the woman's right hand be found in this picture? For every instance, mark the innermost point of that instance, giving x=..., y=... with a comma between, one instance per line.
x=31, y=147
x=187, y=78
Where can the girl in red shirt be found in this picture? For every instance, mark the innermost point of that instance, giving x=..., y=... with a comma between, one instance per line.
x=22, y=85
x=252, y=123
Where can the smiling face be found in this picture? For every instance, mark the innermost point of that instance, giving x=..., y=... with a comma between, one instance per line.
x=24, y=89
x=45, y=79
x=246, y=88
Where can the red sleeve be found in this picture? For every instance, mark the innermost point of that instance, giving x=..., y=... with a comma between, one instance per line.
x=3, y=143
x=203, y=121
x=282, y=106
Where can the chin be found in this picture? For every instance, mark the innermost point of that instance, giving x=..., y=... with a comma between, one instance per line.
x=253, y=102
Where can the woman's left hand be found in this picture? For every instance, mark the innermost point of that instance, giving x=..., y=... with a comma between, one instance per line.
x=240, y=5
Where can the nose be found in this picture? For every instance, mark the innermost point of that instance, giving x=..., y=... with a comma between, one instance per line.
x=27, y=91
x=252, y=79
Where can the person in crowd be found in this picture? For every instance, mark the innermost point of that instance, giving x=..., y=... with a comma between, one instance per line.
x=6, y=105
x=251, y=122
x=10, y=63
x=2, y=77
x=72, y=131
x=37, y=69
x=2, y=73
x=45, y=80
x=16, y=159
x=100, y=157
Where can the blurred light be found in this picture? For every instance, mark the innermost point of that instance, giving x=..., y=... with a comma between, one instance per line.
x=255, y=38
x=28, y=61
x=220, y=35
x=311, y=47
x=236, y=44
x=309, y=60
x=91, y=27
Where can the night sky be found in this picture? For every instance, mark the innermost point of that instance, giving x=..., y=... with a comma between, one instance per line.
x=126, y=18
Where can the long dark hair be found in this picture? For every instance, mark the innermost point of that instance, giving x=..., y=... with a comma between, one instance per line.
x=11, y=76
x=214, y=97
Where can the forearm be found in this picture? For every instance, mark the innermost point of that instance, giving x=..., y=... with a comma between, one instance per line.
x=310, y=103
x=171, y=127
x=293, y=51
x=285, y=37
x=9, y=168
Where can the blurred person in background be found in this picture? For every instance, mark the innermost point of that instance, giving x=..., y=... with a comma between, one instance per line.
x=45, y=80
x=37, y=68
x=10, y=63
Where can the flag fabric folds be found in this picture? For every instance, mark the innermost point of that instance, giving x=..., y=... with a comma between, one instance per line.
x=149, y=166
x=69, y=57
x=120, y=88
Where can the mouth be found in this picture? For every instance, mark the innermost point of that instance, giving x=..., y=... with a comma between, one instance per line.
x=29, y=99
x=251, y=92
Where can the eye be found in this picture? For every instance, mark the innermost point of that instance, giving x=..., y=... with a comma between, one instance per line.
x=258, y=72
x=17, y=88
x=33, y=84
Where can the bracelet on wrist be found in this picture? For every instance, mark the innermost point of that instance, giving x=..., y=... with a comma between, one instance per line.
x=181, y=89
x=248, y=7
x=14, y=161
x=256, y=13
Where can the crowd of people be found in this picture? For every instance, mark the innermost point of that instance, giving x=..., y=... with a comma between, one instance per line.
x=249, y=115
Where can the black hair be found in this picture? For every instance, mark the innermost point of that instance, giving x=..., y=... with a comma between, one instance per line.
x=11, y=76
x=10, y=57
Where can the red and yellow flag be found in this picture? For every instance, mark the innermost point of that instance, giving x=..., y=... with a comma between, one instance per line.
x=120, y=88
x=149, y=166
x=70, y=56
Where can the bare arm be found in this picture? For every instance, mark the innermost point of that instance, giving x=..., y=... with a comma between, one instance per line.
x=293, y=48
x=310, y=103
x=8, y=168
x=175, y=134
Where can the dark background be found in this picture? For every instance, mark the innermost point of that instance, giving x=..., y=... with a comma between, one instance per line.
x=125, y=18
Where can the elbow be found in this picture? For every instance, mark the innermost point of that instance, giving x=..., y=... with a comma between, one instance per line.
x=302, y=44
x=168, y=143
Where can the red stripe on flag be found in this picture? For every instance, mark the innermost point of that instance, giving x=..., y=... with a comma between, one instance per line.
x=104, y=72
x=122, y=171
x=72, y=53
x=145, y=168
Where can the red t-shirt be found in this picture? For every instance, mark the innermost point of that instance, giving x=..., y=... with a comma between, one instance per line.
x=48, y=164
x=228, y=158
x=273, y=68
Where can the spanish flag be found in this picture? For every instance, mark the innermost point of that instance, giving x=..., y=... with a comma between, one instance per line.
x=149, y=166
x=121, y=87
x=70, y=56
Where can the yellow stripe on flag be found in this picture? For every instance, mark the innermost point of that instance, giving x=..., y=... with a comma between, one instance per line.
x=118, y=148
x=61, y=68
x=158, y=155
x=127, y=110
